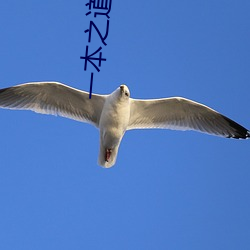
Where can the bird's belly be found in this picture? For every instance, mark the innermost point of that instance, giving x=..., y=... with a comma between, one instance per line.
x=111, y=138
x=112, y=129
x=112, y=134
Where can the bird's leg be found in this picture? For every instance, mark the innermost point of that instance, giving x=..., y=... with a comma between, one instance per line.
x=108, y=154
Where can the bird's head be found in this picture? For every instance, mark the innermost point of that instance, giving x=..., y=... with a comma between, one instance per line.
x=124, y=91
x=121, y=94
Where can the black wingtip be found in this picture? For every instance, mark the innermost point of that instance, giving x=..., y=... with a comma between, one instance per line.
x=239, y=131
x=248, y=134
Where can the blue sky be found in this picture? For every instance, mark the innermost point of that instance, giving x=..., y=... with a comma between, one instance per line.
x=169, y=189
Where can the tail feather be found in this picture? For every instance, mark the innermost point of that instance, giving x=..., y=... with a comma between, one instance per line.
x=101, y=159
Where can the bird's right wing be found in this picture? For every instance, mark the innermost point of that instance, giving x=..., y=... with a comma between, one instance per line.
x=54, y=98
x=182, y=114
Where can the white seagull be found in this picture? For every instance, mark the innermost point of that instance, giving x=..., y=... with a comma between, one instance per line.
x=116, y=113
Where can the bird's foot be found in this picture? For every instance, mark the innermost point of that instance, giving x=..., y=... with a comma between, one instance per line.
x=108, y=154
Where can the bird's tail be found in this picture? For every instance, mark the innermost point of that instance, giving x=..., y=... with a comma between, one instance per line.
x=107, y=161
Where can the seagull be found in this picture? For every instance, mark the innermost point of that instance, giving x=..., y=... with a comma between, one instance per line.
x=116, y=113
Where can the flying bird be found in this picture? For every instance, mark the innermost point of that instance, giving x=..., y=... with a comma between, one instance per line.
x=116, y=113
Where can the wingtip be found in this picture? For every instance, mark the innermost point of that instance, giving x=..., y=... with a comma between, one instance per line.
x=248, y=134
x=239, y=131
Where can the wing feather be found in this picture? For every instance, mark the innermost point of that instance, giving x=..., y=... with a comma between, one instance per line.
x=182, y=114
x=54, y=98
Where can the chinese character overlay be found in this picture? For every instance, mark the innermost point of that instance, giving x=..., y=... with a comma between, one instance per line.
x=100, y=8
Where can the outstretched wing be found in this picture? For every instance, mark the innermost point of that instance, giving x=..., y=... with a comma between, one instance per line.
x=182, y=114
x=54, y=98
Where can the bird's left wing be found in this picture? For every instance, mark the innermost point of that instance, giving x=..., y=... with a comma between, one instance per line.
x=54, y=98
x=182, y=114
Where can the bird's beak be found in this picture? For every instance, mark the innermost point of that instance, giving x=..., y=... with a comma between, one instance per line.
x=122, y=88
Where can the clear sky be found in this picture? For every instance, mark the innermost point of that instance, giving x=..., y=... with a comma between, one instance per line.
x=168, y=189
